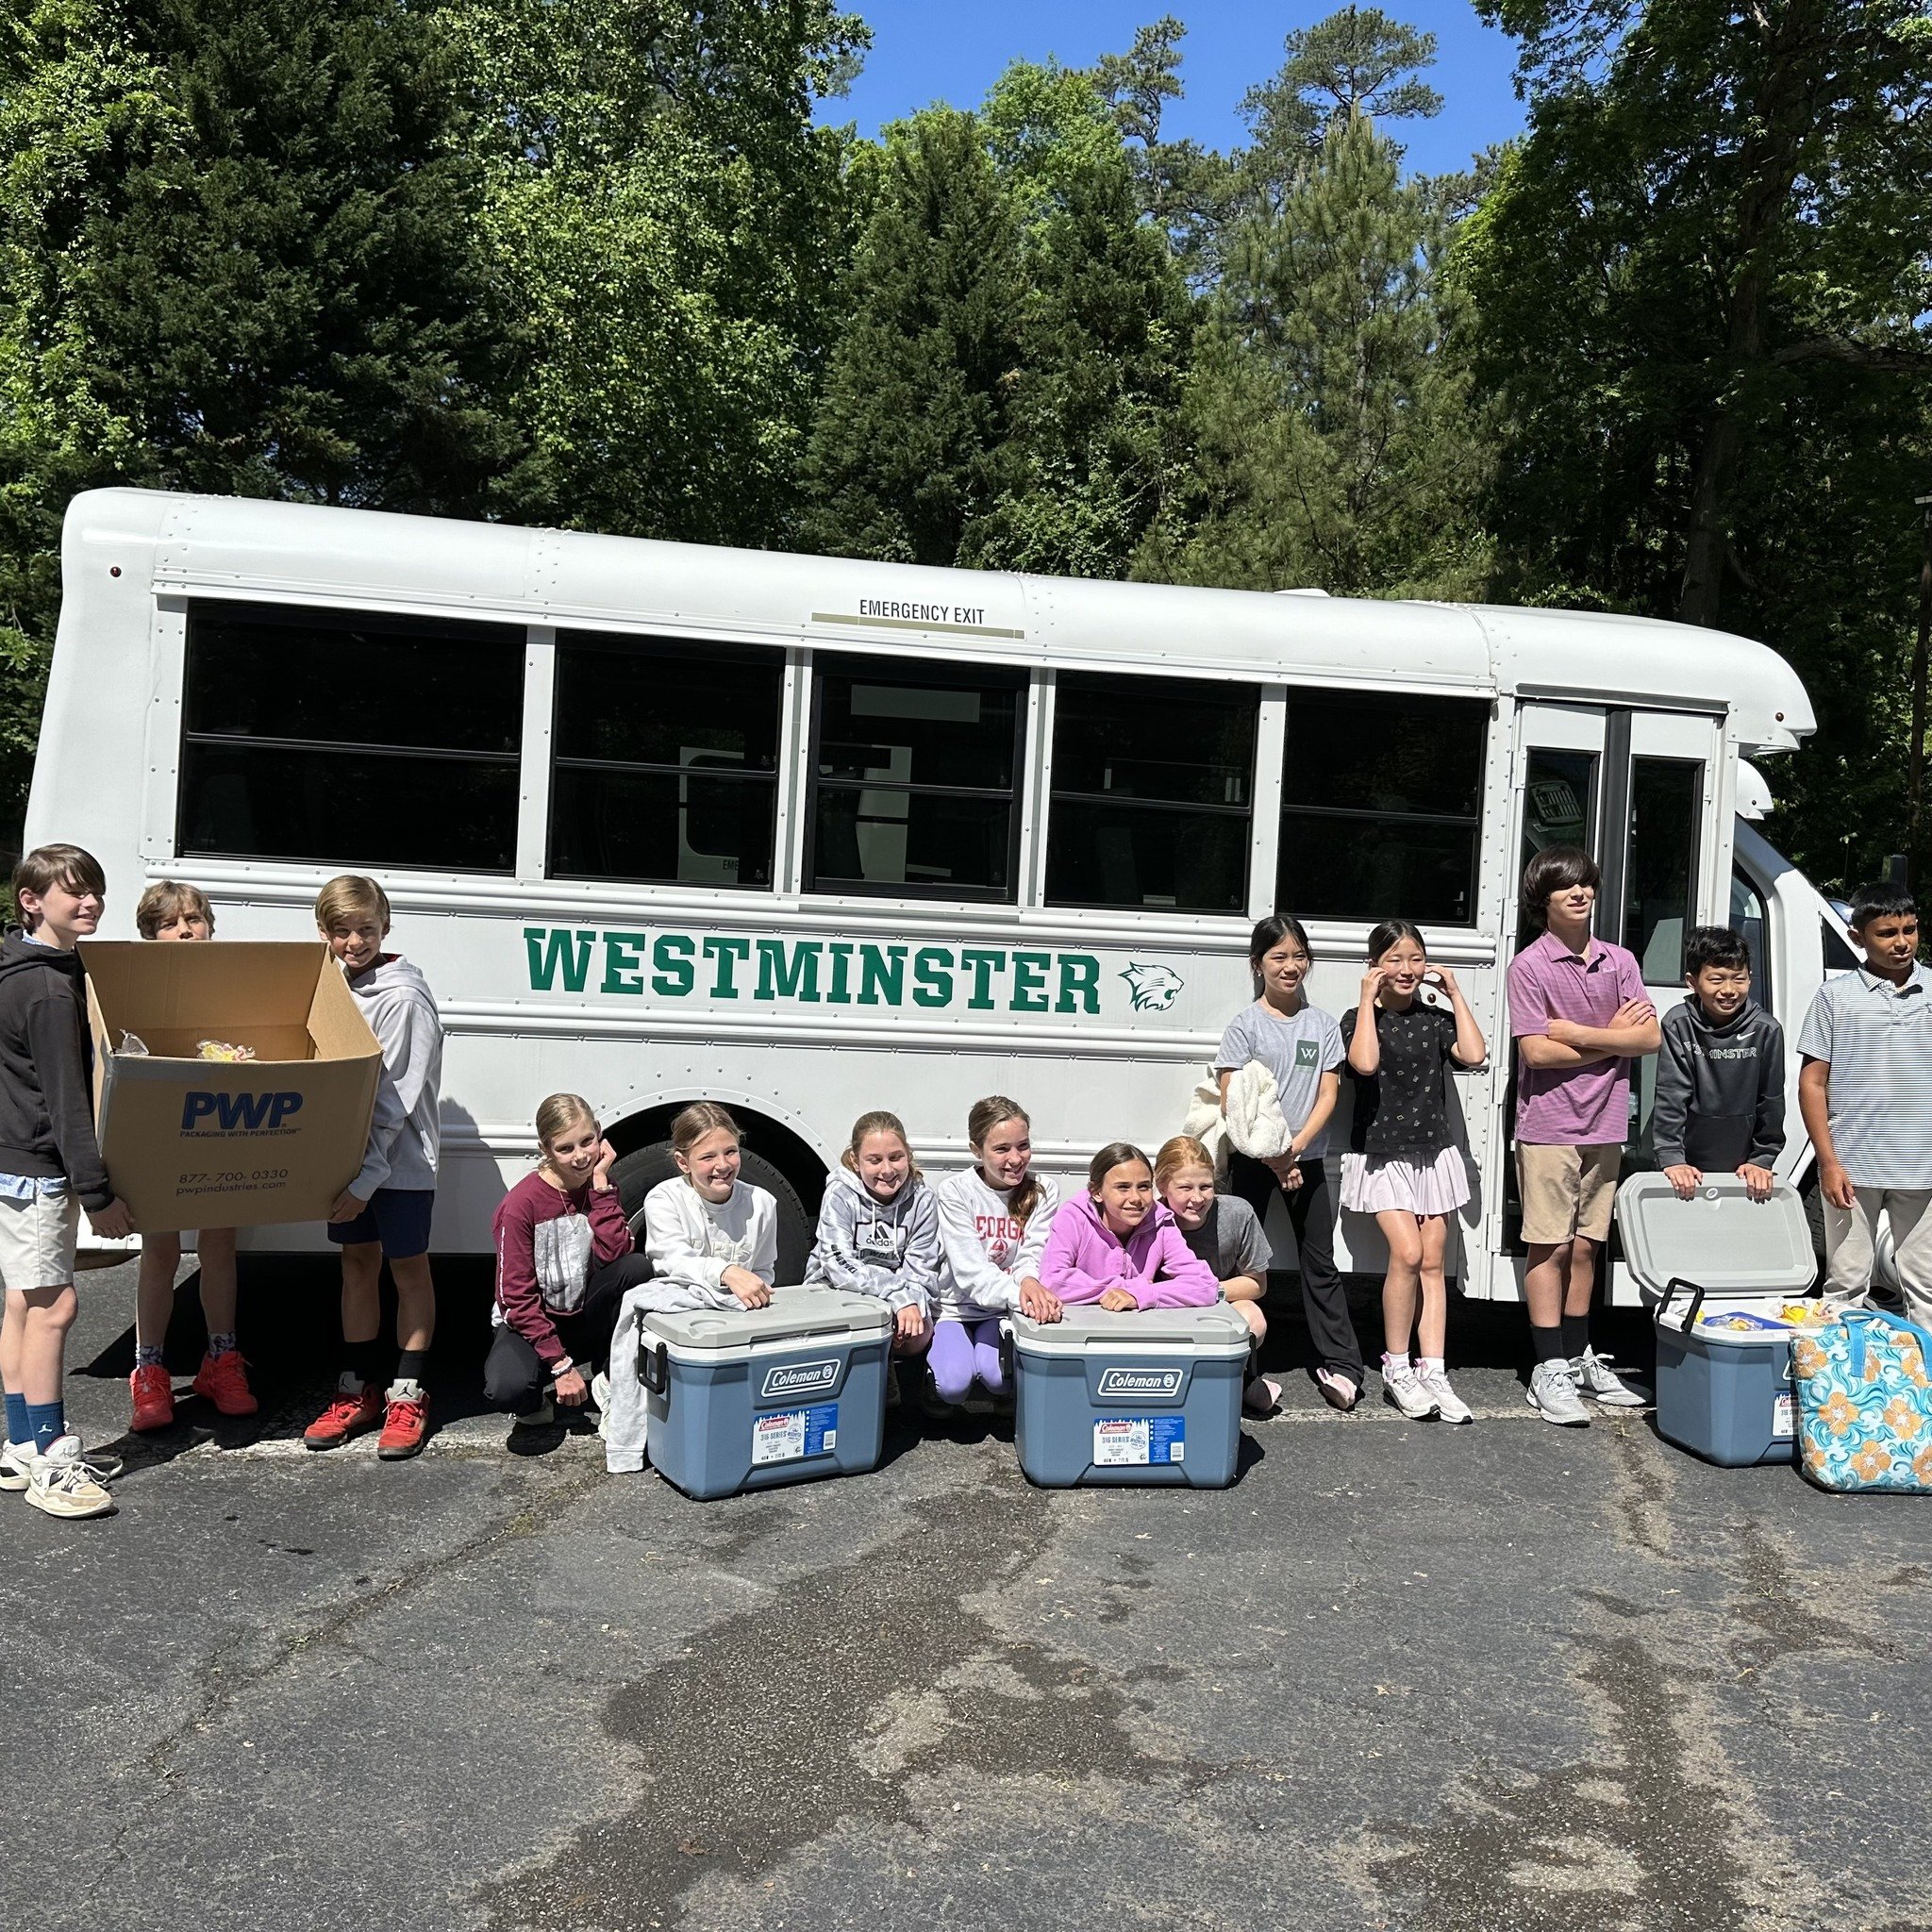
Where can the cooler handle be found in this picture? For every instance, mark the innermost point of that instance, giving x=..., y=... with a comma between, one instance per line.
x=1689, y=1321
x=654, y=1366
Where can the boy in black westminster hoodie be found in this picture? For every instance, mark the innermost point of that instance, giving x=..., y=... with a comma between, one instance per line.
x=1720, y=1105
x=50, y=1170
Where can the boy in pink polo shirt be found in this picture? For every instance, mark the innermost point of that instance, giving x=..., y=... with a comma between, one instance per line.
x=1579, y=1013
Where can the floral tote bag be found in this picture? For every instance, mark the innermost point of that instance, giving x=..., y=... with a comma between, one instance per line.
x=1865, y=1404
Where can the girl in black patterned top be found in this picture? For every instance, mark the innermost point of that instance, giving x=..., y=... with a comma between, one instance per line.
x=1404, y=1166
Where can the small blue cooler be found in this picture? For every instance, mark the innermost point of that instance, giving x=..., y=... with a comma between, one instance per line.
x=1143, y=1397
x=1723, y=1392
x=746, y=1398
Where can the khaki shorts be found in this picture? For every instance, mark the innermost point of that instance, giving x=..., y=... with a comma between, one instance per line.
x=38, y=1238
x=1566, y=1191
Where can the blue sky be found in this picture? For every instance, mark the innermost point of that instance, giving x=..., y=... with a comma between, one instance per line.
x=927, y=50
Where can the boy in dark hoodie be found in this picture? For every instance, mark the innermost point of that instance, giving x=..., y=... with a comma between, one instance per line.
x=384, y=1213
x=50, y=1170
x=1720, y=1106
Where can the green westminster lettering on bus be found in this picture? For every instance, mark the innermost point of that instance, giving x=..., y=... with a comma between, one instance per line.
x=810, y=973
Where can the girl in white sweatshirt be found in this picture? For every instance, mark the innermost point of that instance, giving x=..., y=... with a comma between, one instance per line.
x=994, y=1219
x=712, y=1240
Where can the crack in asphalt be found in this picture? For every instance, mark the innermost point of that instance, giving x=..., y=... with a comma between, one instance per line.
x=854, y=1678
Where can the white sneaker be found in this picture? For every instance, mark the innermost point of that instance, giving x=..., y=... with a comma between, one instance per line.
x=64, y=1484
x=1595, y=1378
x=16, y=1465
x=1553, y=1396
x=1433, y=1379
x=600, y=1391
x=1401, y=1388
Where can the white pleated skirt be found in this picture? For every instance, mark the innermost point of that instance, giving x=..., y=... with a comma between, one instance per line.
x=1395, y=1183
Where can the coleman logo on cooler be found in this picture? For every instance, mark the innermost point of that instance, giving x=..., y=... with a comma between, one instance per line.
x=1141, y=1381
x=802, y=1379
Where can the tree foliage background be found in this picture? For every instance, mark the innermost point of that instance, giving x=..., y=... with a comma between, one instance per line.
x=599, y=263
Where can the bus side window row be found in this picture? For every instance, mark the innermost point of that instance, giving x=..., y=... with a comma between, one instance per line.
x=343, y=738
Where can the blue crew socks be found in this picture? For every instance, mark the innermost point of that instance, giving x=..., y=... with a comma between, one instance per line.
x=18, y=1428
x=219, y=1345
x=147, y=1355
x=46, y=1422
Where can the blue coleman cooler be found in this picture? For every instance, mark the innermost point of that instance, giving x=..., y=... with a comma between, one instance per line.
x=1143, y=1396
x=747, y=1398
x=1719, y=1272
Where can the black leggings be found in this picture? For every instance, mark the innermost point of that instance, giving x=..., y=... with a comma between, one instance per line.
x=514, y=1374
x=1311, y=1211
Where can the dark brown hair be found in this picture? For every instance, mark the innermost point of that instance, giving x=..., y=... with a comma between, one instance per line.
x=1555, y=869
x=71, y=866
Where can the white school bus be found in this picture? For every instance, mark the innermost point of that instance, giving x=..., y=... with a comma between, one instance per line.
x=809, y=836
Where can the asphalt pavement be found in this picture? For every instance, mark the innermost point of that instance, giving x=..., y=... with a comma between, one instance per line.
x=1502, y=1676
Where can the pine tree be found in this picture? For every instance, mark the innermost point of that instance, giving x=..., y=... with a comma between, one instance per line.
x=909, y=448
x=1329, y=433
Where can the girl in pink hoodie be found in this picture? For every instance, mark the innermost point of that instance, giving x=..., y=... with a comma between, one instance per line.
x=1117, y=1245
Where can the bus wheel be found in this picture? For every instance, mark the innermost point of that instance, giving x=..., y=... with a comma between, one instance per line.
x=640, y=1170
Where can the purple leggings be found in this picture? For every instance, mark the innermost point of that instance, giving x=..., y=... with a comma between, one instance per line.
x=962, y=1350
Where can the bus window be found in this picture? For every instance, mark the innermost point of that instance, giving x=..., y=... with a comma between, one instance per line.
x=1747, y=917
x=1153, y=793
x=350, y=739
x=1661, y=879
x=912, y=781
x=1381, y=806
x=666, y=761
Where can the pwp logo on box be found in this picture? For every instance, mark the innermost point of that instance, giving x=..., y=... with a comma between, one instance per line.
x=230, y=1113
x=1143, y=1382
x=802, y=1379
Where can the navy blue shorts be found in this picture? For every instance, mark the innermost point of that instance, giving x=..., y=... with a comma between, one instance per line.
x=396, y=1217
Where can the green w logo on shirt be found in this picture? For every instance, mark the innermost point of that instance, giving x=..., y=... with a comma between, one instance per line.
x=1306, y=1053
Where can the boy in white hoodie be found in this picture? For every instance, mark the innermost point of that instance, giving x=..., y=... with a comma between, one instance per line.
x=384, y=1213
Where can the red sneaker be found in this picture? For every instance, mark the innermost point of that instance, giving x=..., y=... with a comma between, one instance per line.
x=223, y=1380
x=345, y=1416
x=154, y=1398
x=404, y=1427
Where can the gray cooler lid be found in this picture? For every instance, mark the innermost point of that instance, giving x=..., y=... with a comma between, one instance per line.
x=793, y=1314
x=1720, y=1239
x=1213, y=1330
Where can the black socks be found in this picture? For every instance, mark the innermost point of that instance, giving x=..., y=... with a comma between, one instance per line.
x=1548, y=1344
x=364, y=1361
x=1576, y=1335
x=409, y=1364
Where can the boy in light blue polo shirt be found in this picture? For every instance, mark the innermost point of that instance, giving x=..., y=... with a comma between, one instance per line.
x=1865, y=1092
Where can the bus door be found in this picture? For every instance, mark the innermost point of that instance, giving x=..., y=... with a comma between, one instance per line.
x=1646, y=792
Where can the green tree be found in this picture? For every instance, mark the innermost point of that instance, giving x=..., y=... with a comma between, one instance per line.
x=909, y=448
x=1102, y=341
x=1331, y=437
x=1706, y=259
x=662, y=214
x=235, y=256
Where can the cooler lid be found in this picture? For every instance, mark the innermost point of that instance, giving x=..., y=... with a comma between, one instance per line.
x=1720, y=1239
x=1215, y=1330
x=793, y=1314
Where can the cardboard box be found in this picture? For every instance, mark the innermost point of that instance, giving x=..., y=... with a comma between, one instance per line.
x=190, y=1142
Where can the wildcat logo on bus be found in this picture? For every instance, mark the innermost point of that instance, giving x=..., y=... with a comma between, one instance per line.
x=1152, y=987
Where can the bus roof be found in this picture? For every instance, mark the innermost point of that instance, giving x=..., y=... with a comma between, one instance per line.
x=245, y=547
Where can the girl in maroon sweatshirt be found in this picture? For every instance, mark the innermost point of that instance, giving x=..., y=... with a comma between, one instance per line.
x=563, y=1262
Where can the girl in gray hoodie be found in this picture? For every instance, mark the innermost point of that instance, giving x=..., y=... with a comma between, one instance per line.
x=879, y=1232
